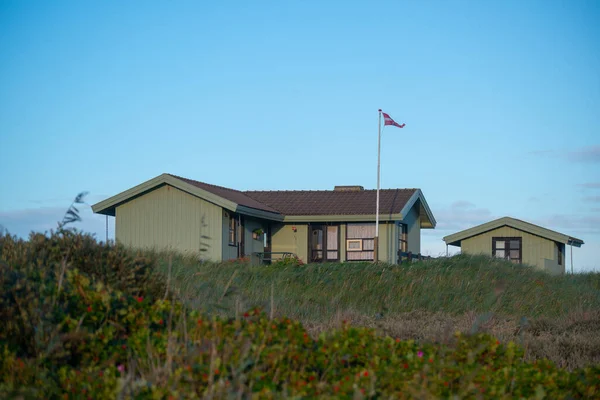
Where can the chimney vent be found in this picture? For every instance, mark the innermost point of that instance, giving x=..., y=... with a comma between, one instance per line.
x=348, y=188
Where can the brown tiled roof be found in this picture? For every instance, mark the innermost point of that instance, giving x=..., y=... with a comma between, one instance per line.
x=229, y=194
x=329, y=202
x=313, y=202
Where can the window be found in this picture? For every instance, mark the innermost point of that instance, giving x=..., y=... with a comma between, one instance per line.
x=332, y=243
x=507, y=248
x=323, y=243
x=360, y=242
x=403, y=238
x=354, y=244
x=561, y=250
x=233, y=225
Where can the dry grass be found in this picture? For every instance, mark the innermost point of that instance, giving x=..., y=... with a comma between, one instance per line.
x=552, y=317
x=571, y=341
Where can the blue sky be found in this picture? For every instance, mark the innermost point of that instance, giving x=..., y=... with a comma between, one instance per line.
x=501, y=103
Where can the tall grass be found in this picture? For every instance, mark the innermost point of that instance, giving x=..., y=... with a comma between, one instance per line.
x=555, y=317
x=453, y=285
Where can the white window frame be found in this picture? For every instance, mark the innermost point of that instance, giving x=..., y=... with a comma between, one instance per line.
x=348, y=241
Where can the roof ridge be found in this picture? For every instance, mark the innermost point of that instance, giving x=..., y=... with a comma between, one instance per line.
x=327, y=191
x=283, y=190
x=205, y=183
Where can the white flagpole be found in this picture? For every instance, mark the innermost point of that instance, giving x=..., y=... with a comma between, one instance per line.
x=376, y=252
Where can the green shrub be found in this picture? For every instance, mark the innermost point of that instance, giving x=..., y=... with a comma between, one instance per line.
x=292, y=261
x=73, y=334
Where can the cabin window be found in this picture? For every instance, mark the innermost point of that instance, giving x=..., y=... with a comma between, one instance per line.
x=360, y=242
x=403, y=238
x=508, y=248
x=560, y=253
x=233, y=225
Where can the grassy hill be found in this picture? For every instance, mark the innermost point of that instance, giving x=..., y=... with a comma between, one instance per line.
x=85, y=318
x=555, y=317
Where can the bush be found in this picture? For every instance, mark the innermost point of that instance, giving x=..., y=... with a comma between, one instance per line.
x=292, y=261
x=71, y=334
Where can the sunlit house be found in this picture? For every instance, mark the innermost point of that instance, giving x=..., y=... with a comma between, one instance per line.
x=171, y=212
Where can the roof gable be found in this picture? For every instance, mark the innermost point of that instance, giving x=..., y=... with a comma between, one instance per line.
x=456, y=238
x=228, y=199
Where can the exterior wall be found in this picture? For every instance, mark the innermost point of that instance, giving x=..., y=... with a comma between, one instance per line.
x=228, y=252
x=250, y=245
x=342, y=249
x=283, y=238
x=168, y=218
x=394, y=243
x=537, y=251
x=552, y=266
x=253, y=245
x=414, y=229
x=385, y=242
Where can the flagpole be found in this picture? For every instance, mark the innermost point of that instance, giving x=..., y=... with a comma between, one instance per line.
x=376, y=244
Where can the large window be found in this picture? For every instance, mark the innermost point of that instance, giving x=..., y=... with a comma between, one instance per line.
x=360, y=242
x=233, y=230
x=509, y=248
x=332, y=243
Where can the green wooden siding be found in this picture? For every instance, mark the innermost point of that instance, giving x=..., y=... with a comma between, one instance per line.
x=254, y=245
x=539, y=252
x=168, y=218
x=229, y=252
x=250, y=245
x=283, y=238
x=413, y=222
x=385, y=242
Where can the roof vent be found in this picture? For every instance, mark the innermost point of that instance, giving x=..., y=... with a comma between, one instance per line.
x=348, y=188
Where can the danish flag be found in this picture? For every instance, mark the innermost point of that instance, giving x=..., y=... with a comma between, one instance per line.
x=389, y=121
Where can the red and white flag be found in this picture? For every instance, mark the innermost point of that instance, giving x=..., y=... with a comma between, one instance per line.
x=389, y=121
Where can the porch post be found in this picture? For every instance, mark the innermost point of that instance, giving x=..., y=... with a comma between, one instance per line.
x=239, y=236
x=571, y=258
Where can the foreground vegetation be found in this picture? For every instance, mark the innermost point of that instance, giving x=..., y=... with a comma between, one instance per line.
x=553, y=317
x=87, y=320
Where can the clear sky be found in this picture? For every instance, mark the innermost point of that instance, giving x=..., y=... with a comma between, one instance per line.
x=501, y=101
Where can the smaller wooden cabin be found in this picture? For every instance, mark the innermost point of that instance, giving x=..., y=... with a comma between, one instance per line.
x=518, y=241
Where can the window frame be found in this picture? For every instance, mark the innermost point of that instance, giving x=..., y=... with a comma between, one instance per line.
x=233, y=230
x=362, y=243
x=348, y=241
x=403, y=237
x=507, y=248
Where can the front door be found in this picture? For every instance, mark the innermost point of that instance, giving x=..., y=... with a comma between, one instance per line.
x=323, y=243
